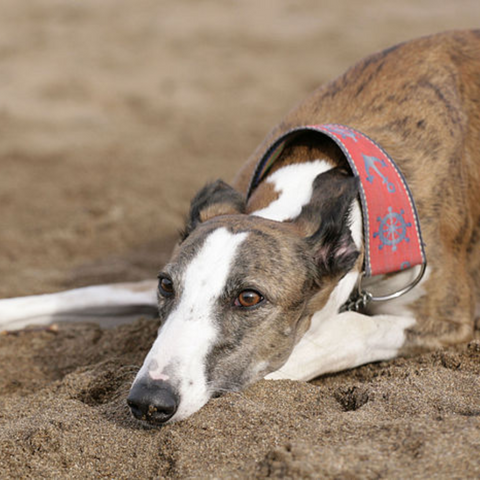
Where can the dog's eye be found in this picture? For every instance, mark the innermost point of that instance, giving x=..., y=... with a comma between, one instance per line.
x=248, y=298
x=165, y=286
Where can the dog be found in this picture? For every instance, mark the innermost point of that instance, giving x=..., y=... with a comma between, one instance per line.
x=260, y=281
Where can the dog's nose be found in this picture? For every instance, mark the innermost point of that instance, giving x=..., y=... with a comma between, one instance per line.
x=154, y=402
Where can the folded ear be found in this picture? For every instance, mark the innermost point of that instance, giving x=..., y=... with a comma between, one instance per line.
x=214, y=199
x=325, y=222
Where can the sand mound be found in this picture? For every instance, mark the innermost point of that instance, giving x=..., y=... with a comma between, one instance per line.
x=63, y=413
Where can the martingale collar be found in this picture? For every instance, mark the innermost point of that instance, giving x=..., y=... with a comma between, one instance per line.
x=392, y=236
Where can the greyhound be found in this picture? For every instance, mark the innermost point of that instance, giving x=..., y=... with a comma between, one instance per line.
x=272, y=276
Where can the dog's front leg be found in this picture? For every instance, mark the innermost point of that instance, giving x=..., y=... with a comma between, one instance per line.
x=106, y=304
x=344, y=341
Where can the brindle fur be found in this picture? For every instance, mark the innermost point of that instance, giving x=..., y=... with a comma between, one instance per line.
x=421, y=101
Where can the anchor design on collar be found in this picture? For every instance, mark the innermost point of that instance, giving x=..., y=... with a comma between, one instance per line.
x=342, y=131
x=371, y=164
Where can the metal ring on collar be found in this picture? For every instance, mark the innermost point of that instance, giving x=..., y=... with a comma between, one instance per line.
x=370, y=297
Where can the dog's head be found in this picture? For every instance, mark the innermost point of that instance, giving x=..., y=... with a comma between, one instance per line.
x=239, y=293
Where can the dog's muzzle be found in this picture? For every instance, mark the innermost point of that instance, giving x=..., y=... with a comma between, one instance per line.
x=153, y=401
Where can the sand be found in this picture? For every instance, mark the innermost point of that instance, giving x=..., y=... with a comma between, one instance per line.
x=112, y=115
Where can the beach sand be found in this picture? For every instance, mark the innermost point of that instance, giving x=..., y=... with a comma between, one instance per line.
x=112, y=115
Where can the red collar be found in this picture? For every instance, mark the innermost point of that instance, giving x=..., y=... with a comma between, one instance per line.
x=392, y=236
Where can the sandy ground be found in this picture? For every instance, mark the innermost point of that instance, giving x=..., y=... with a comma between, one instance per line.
x=112, y=114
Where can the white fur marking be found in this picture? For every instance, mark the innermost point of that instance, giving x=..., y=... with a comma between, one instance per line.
x=294, y=183
x=344, y=341
x=188, y=333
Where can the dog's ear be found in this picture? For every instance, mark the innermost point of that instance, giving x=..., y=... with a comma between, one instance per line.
x=325, y=223
x=214, y=199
